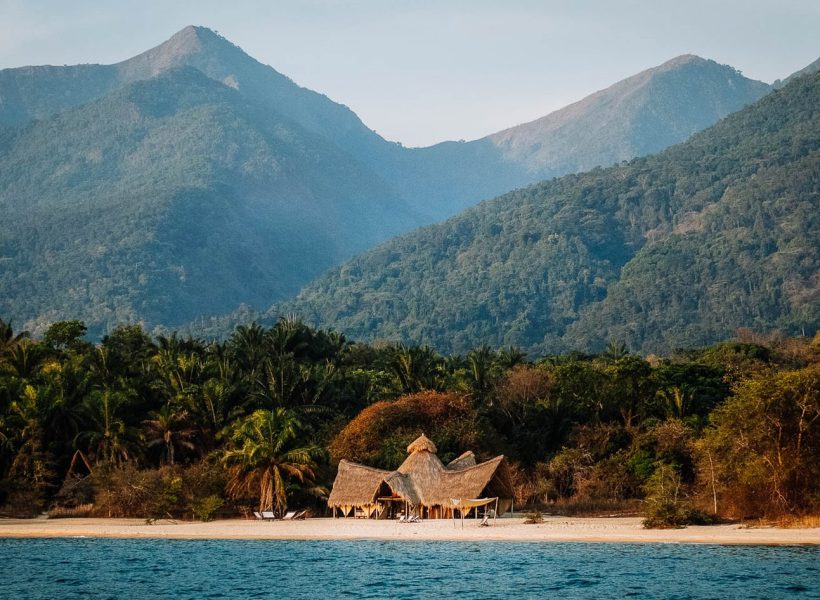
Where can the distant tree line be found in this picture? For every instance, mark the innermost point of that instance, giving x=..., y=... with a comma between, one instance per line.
x=187, y=428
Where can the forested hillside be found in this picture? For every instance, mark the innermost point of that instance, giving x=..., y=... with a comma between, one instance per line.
x=138, y=194
x=676, y=249
x=174, y=197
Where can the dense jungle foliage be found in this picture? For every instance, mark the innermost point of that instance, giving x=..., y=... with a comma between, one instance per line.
x=159, y=427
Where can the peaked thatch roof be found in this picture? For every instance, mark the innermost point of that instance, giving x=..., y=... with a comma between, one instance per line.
x=355, y=484
x=422, y=444
x=422, y=479
x=465, y=460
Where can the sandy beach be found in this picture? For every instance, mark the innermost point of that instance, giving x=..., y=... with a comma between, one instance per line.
x=553, y=529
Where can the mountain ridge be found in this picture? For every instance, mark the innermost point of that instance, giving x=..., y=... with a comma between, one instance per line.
x=368, y=188
x=163, y=231
x=678, y=248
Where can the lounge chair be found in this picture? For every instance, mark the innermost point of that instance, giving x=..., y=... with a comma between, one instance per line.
x=485, y=521
x=300, y=516
x=289, y=516
x=258, y=515
x=268, y=515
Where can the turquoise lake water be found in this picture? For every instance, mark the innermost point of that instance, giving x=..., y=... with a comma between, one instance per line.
x=134, y=569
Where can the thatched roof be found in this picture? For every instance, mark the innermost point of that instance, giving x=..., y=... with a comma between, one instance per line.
x=422, y=479
x=422, y=444
x=355, y=484
x=465, y=460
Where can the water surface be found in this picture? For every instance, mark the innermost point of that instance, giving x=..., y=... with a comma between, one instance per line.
x=132, y=569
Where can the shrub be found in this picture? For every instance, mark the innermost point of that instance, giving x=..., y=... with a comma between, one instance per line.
x=206, y=508
x=200, y=481
x=129, y=492
x=534, y=518
x=666, y=507
x=23, y=501
x=75, y=491
x=379, y=435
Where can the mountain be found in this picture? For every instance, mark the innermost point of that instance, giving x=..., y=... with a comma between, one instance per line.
x=642, y=114
x=639, y=115
x=807, y=70
x=676, y=249
x=173, y=197
x=175, y=214
x=29, y=93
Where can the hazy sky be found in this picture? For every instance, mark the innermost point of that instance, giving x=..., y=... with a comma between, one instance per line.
x=424, y=71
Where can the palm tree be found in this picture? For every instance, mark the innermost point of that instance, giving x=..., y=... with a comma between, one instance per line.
x=249, y=345
x=31, y=459
x=676, y=401
x=507, y=358
x=481, y=373
x=8, y=339
x=615, y=351
x=23, y=358
x=266, y=454
x=106, y=434
x=212, y=407
x=416, y=368
x=169, y=428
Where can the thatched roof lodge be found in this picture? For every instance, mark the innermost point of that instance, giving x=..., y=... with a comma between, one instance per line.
x=422, y=485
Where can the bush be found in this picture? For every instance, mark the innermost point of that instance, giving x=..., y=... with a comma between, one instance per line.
x=675, y=516
x=666, y=508
x=75, y=491
x=200, y=481
x=206, y=508
x=129, y=492
x=534, y=518
x=22, y=500
x=379, y=434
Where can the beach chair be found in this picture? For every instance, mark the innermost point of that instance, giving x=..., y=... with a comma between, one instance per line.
x=485, y=521
x=268, y=515
x=300, y=516
x=258, y=515
x=289, y=516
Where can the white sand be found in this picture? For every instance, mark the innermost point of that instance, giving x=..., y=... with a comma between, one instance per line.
x=553, y=529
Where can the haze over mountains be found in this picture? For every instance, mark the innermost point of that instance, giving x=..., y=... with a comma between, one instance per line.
x=192, y=178
x=673, y=250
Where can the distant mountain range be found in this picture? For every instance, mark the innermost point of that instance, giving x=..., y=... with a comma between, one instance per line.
x=192, y=178
x=673, y=250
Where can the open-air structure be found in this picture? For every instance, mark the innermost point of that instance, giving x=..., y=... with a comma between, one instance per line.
x=422, y=486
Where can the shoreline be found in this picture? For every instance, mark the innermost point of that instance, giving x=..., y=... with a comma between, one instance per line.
x=553, y=529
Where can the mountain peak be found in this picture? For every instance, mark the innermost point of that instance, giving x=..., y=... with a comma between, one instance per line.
x=190, y=41
x=807, y=70
x=683, y=59
x=194, y=37
x=186, y=39
x=672, y=100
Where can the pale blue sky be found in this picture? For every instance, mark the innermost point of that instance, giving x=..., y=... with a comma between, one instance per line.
x=421, y=71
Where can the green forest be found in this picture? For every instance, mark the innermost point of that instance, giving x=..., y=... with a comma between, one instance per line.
x=171, y=198
x=679, y=248
x=172, y=427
